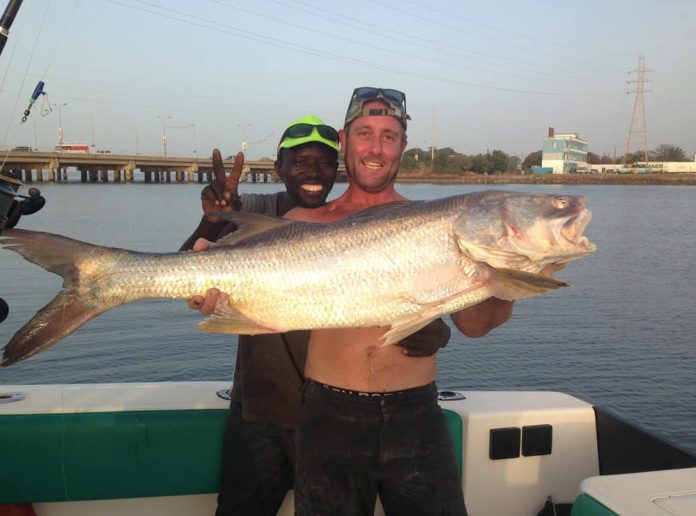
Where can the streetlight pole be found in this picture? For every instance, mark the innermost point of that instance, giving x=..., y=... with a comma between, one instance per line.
x=164, y=132
x=91, y=116
x=245, y=145
x=60, y=121
x=195, y=152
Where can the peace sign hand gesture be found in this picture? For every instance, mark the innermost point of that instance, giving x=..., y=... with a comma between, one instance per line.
x=222, y=193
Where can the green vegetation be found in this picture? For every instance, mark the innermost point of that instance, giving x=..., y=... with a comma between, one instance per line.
x=448, y=161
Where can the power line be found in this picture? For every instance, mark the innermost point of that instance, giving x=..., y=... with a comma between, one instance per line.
x=187, y=18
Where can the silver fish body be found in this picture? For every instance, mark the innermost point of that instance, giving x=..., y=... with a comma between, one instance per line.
x=397, y=265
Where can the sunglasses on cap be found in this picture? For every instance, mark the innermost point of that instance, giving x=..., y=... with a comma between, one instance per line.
x=395, y=98
x=303, y=130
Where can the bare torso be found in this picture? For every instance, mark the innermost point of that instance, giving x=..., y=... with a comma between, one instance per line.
x=355, y=358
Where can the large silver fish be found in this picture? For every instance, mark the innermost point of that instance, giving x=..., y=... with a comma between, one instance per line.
x=399, y=265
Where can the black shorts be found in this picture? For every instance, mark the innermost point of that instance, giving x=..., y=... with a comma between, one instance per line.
x=257, y=467
x=353, y=446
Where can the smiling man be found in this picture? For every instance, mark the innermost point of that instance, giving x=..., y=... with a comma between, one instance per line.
x=370, y=423
x=257, y=467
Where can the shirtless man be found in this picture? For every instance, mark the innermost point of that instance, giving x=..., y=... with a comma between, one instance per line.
x=370, y=423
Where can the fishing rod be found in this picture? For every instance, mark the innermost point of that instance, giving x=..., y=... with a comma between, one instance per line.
x=6, y=21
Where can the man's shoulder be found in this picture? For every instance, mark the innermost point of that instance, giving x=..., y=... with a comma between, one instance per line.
x=266, y=204
x=308, y=214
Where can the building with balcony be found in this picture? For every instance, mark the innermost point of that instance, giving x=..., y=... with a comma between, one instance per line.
x=564, y=153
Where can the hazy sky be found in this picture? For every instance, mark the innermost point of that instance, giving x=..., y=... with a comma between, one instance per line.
x=478, y=75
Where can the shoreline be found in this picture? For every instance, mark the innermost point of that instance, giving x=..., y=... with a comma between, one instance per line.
x=673, y=179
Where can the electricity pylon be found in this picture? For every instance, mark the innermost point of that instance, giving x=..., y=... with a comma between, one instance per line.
x=638, y=124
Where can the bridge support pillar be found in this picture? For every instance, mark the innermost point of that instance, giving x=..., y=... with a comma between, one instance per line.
x=92, y=176
x=117, y=175
x=190, y=173
x=104, y=175
x=130, y=168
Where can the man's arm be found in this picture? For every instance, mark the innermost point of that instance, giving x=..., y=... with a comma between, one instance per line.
x=476, y=321
x=221, y=195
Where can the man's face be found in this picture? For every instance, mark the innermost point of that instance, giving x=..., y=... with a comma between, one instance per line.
x=373, y=147
x=309, y=172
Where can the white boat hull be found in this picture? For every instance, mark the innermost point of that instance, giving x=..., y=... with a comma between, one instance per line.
x=154, y=448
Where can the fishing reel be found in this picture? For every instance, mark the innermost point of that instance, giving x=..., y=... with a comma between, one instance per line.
x=12, y=206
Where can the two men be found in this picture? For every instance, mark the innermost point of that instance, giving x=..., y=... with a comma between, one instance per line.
x=258, y=449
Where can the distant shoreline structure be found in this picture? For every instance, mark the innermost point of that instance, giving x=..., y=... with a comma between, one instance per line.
x=552, y=179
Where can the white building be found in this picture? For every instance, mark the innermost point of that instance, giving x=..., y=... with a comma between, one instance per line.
x=564, y=153
x=653, y=167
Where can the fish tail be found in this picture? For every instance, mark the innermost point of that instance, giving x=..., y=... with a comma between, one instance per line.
x=512, y=284
x=76, y=304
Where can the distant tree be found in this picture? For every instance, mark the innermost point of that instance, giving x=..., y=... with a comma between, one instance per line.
x=634, y=157
x=593, y=159
x=667, y=152
x=496, y=162
x=447, y=160
x=499, y=161
x=514, y=164
x=413, y=159
x=606, y=160
x=532, y=160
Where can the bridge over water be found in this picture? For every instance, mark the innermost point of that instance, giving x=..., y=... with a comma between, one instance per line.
x=32, y=167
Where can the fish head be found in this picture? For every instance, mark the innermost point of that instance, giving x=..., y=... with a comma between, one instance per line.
x=524, y=231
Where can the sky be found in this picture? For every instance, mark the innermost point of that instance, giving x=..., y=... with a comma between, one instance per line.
x=478, y=76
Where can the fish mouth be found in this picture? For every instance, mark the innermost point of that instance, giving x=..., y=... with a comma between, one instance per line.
x=572, y=230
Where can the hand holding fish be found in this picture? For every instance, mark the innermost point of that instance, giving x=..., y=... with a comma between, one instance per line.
x=206, y=304
x=222, y=193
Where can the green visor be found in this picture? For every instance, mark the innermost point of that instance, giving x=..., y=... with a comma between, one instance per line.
x=307, y=130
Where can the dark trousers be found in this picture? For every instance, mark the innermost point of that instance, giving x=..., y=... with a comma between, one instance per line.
x=257, y=466
x=352, y=447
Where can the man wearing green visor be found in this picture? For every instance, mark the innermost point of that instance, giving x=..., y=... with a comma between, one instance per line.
x=302, y=189
x=257, y=467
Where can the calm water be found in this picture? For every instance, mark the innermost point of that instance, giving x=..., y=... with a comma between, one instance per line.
x=623, y=337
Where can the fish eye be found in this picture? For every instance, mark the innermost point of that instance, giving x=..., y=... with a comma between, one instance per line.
x=561, y=202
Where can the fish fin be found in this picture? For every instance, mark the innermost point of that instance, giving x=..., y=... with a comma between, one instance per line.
x=248, y=224
x=512, y=284
x=73, y=306
x=403, y=329
x=227, y=319
x=64, y=314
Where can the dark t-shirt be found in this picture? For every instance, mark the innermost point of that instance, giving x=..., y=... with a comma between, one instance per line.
x=268, y=374
x=268, y=377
